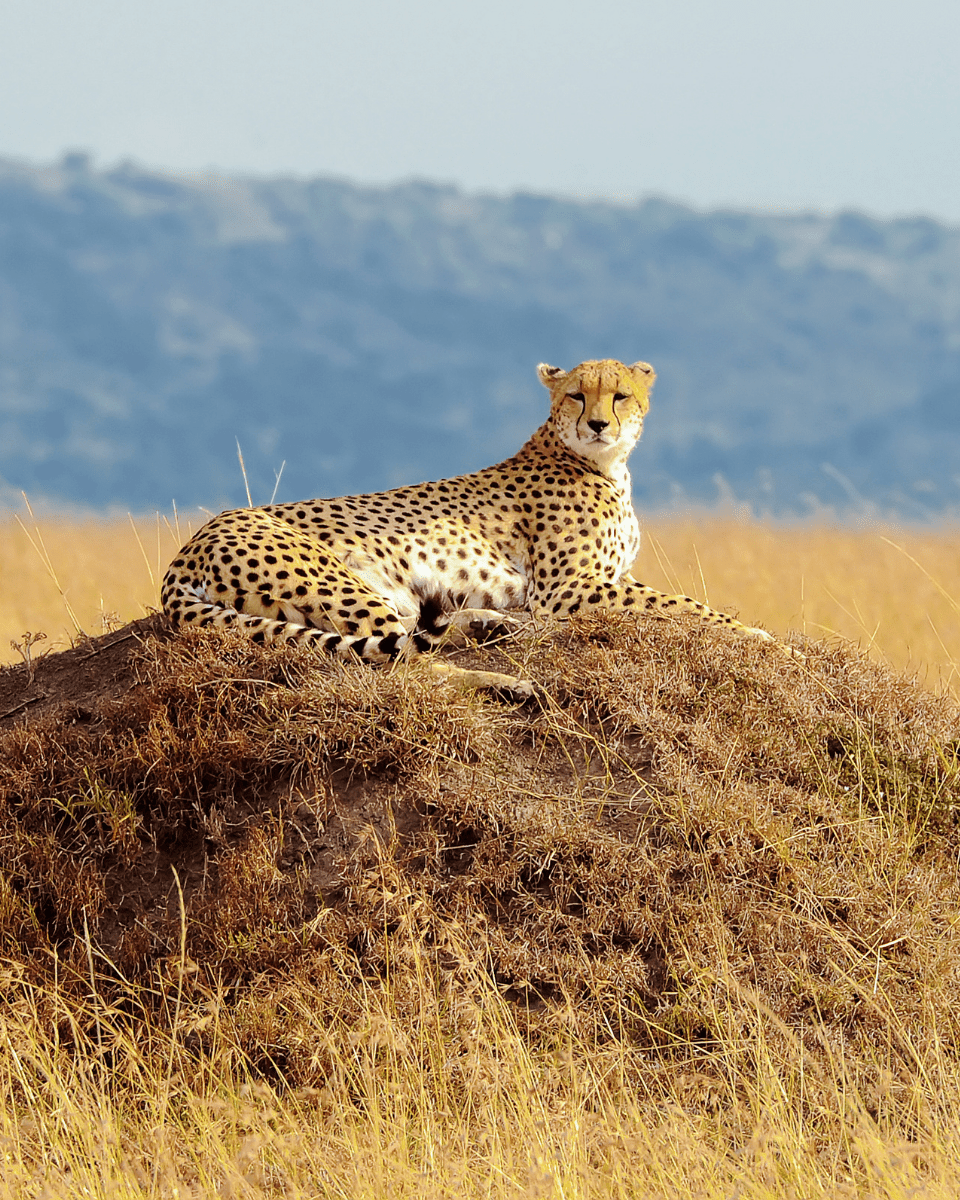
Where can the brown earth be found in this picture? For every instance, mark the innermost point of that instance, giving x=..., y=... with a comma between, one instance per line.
x=687, y=830
x=94, y=670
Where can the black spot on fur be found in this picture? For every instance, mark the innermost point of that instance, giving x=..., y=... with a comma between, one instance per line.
x=433, y=620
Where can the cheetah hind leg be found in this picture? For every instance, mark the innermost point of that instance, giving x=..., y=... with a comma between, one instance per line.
x=445, y=628
x=506, y=687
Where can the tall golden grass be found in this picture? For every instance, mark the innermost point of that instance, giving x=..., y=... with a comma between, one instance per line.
x=67, y=577
x=894, y=592
x=116, y=1101
x=119, y=1110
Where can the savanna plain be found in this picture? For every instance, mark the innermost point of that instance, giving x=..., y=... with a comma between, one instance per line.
x=690, y=926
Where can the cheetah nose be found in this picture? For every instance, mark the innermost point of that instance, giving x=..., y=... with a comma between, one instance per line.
x=598, y=426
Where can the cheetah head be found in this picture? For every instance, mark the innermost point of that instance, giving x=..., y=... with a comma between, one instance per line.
x=597, y=409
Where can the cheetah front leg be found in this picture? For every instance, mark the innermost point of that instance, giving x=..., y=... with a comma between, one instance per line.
x=581, y=594
x=479, y=625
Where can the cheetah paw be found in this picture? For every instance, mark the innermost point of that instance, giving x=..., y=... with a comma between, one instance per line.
x=788, y=651
x=480, y=625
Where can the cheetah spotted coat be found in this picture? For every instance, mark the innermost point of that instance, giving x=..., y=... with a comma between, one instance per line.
x=551, y=530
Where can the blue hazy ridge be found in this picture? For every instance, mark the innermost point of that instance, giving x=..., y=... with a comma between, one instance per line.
x=377, y=336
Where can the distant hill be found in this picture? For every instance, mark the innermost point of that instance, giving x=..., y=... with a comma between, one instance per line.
x=374, y=336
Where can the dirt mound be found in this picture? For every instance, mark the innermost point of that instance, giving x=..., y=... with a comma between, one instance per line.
x=94, y=670
x=688, y=829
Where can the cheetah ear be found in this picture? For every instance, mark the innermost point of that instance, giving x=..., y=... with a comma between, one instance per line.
x=549, y=375
x=643, y=373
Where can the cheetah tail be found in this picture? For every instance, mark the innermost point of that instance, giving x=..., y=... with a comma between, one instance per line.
x=186, y=605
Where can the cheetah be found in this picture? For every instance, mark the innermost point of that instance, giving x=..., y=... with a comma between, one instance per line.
x=551, y=530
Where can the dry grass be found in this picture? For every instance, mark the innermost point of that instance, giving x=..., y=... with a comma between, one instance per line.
x=693, y=927
x=894, y=592
x=390, y=1122
x=61, y=577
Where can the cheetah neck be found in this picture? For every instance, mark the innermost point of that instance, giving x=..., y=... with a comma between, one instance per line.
x=546, y=442
x=621, y=477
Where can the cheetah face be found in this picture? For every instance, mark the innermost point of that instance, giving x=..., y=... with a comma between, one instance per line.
x=597, y=409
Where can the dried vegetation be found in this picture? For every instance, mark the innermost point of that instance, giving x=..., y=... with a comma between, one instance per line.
x=700, y=884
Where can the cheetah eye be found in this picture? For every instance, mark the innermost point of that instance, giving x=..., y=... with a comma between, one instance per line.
x=619, y=395
x=576, y=396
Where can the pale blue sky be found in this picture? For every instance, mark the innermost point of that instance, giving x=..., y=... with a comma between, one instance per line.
x=760, y=103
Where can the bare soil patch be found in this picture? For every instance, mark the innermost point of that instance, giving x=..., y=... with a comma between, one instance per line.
x=94, y=670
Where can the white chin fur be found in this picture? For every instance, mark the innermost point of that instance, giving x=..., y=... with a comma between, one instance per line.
x=591, y=447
